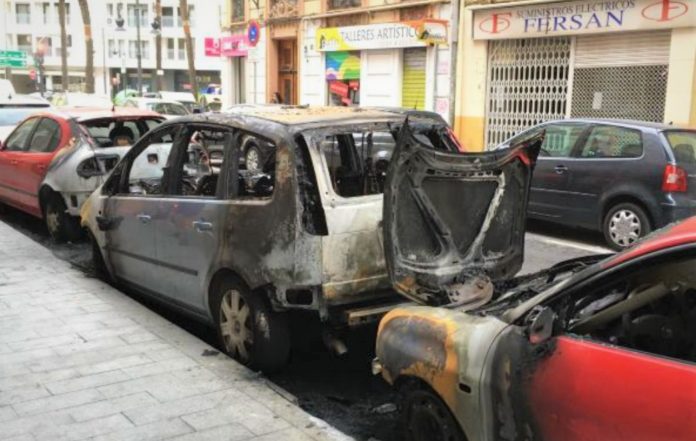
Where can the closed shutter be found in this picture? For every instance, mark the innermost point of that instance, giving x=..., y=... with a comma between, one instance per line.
x=622, y=75
x=413, y=85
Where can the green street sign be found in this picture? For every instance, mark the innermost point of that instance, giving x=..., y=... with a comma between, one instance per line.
x=13, y=54
x=13, y=59
x=12, y=63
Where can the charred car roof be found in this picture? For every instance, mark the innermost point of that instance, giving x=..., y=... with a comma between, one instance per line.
x=296, y=118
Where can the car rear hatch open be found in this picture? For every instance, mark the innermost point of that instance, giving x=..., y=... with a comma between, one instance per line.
x=455, y=222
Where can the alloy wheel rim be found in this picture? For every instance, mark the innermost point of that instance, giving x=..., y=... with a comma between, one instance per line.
x=625, y=228
x=235, y=324
x=252, y=159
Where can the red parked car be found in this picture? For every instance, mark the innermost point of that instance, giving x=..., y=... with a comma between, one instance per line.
x=52, y=161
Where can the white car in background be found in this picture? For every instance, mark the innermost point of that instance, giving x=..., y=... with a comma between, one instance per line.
x=167, y=108
x=185, y=98
x=14, y=108
x=79, y=99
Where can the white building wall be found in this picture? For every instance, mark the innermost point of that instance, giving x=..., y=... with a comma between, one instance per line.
x=256, y=71
x=312, y=82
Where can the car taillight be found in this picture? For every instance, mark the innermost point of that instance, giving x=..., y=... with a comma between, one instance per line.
x=674, y=179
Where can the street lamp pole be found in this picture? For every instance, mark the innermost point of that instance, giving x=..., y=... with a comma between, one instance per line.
x=139, y=55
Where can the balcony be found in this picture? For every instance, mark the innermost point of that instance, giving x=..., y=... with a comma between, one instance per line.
x=343, y=4
x=283, y=9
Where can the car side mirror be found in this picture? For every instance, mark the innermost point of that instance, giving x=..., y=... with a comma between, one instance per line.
x=540, y=324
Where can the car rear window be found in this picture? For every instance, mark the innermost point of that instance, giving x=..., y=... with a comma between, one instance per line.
x=683, y=144
x=113, y=132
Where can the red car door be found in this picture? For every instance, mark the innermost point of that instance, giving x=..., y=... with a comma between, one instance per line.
x=12, y=190
x=35, y=160
x=592, y=391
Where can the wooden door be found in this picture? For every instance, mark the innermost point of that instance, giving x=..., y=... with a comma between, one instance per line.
x=287, y=71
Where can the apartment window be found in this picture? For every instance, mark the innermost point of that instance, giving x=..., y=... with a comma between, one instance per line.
x=343, y=4
x=192, y=15
x=112, y=48
x=167, y=17
x=121, y=48
x=132, y=49
x=24, y=43
x=182, y=49
x=46, y=13
x=145, y=49
x=178, y=17
x=23, y=13
x=170, y=49
x=56, y=7
x=237, y=10
x=142, y=13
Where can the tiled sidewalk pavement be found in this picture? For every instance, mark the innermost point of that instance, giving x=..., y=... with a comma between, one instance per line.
x=80, y=360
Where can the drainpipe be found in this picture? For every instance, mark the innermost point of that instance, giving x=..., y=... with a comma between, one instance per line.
x=454, y=45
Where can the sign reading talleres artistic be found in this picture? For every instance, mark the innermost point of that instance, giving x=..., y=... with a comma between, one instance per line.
x=382, y=35
x=582, y=17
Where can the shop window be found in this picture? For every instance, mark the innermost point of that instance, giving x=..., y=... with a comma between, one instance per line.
x=343, y=78
x=358, y=162
x=343, y=4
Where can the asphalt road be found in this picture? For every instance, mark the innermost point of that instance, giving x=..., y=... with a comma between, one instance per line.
x=340, y=390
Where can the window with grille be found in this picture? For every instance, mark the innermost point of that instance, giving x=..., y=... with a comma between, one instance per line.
x=527, y=85
x=237, y=10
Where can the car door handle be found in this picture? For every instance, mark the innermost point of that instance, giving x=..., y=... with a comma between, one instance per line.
x=202, y=226
x=560, y=169
x=144, y=218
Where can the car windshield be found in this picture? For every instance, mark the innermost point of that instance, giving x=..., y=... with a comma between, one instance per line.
x=683, y=143
x=10, y=116
x=115, y=132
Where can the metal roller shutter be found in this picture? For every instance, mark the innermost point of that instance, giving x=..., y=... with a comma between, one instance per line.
x=622, y=75
x=413, y=85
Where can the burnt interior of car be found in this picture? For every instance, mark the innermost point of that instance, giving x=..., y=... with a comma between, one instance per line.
x=358, y=160
x=652, y=310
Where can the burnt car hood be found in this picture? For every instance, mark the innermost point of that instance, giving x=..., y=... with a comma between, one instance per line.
x=455, y=222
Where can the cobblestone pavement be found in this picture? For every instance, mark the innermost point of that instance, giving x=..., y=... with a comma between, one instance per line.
x=80, y=360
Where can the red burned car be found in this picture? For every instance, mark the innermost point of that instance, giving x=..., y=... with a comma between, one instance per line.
x=53, y=160
x=597, y=348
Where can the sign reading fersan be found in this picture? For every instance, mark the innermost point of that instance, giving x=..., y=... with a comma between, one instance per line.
x=582, y=17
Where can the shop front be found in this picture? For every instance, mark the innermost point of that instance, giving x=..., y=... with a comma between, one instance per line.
x=383, y=64
x=625, y=59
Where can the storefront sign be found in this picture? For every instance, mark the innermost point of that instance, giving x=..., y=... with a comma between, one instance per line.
x=582, y=17
x=212, y=47
x=234, y=46
x=382, y=35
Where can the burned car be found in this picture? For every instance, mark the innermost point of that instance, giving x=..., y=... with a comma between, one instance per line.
x=239, y=246
x=53, y=160
x=601, y=347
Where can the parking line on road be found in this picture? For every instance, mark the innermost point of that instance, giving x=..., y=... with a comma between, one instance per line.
x=569, y=243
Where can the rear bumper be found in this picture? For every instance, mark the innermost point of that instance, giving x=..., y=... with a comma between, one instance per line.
x=678, y=208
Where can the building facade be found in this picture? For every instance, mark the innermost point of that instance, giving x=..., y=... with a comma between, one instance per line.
x=339, y=52
x=521, y=63
x=29, y=25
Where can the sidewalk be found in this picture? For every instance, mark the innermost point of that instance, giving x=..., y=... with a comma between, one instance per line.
x=80, y=360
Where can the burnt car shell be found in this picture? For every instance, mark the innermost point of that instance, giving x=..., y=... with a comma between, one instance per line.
x=454, y=222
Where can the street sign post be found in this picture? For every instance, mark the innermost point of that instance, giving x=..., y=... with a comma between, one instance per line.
x=13, y=59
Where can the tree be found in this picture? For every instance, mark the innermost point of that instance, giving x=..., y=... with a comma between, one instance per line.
x=63, y=45
x=158, y=42
x=183, y=6
x=89, y=46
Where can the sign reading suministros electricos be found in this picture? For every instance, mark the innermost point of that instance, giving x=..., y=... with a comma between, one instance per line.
x=382, y=35
x=581, y=17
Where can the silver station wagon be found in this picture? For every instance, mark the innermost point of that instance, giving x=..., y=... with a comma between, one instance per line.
x=183, y=219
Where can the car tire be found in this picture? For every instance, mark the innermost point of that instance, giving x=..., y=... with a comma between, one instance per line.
x=624, y=224
x=248, y=329
x=61, y=226
x=425, y=417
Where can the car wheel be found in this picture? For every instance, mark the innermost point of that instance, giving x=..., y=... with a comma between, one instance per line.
x=425, y=417
x=252, y=158
x=61, y=226
x=624, y=224
x=248, y=329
